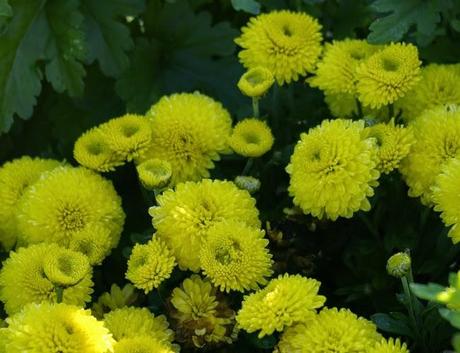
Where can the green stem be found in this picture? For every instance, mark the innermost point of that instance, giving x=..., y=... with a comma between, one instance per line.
x=59, y=294
x=360, y=108
x=412, y=312
x=248, y=166
x=255, y=107
x=391, y=111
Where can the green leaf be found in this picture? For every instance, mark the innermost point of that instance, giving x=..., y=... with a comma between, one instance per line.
x=452, y=316
x=108, y=38
x=249, y=6
x=5, y=11
x=426, y=291
x=389, y=324
x=401, y=15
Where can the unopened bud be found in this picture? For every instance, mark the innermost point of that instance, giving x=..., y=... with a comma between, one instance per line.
x=248, y=183
x=399, y=264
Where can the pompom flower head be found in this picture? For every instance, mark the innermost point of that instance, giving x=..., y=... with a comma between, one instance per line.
x=116, y=298
x=24, y=280
x=200, y=319
x=389, y=346
x=184, y=215
x=439, y=85
x=437, y=135
x=446, y=197
x=141, y=344
x=65, y=267
x=333, y=170
x=189, y=130
x=128, y=136
x=150, y=264
x=57, y=207
x=286, y=43
x=15, y=177
x=235, y=256
x=388, y=75
x=251, y=138
x=256, y=81
x=285, y=301
x=154, y=173
x=331, y=331
x=92, y=151
x=56, y=328
x=393, y=144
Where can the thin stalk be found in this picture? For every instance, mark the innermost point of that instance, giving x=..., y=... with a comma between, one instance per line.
x=359, y=106
x=255, y=107
x=59, y=294
x=248, y=166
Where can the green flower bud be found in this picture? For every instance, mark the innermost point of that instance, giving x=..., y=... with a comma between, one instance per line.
x=399, y=264
x=248, y=183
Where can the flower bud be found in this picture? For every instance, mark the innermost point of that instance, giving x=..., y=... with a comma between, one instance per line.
x=256, y=82
x=154, y=173
x=248, y=183
x=399, y=264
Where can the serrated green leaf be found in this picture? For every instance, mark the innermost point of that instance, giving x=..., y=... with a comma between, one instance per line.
x=401, y=16
x=108, y=37
x=389, y=324
x=249, y=6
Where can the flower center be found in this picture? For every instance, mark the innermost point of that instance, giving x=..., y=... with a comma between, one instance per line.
x=94, y=148
x=65, y=266
x=72, y=219
x=390, y=65
x=251, y=138
x=130, y=130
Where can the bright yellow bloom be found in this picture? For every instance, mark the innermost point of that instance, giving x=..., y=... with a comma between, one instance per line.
x=389, y=346
x=285, y=42
x=15, y=177
x=23, y=280
x=128, y=136
x=69, y=201
x=393, y=144
x=251, y=138
x=399, y=265
x=64, y=267
x=388, y=75
x=92, y=151
x=331, y=331
x=154, y=173
x=150, y=264
x=189, y=130
x=235, y=256
x=446, y=194
x=333, y=170
x=440, y=84
x=141, y=344
x=56, y=328
x=183, y=215
x=256, y=81
x=200, y=319
x=336, y=72
x=117, y=298
x=130, y=322
x=437, y=135
x=285, y=301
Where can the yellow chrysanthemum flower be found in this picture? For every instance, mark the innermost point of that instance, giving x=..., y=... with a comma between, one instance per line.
x=287, y=43
x=389, y=346
x=66, y=202
x=154, y=173
x=64, y=267
x=189, y=130
x=92, y=151
x=150, y=264
x=117, y=298
x=285, y=301
x=446, y=194
x=56, y=328
x=437, y=135
x=336, y=72
x=440, y=84
x=235, y=256
x=128, y=136
x=15, y=177
x=183, y=215
x=251, y=138
x=23, y=280
x=130, y=322
x=256, y=82
x=331, y=331
x=388, y=75
x=333, y=170
x=201, y=320
x=141, y=344
x=393, y=144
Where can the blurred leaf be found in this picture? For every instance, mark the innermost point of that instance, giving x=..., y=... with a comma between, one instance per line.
x=452, y=316
x=249, y=6
x=266, y=342
x=389, y=324
x=108, y=37
x=5, y=11
x=427, y=291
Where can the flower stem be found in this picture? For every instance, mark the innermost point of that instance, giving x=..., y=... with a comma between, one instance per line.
x=248, y=166
x=255, y=107
x=59, y=294
x=360, y=108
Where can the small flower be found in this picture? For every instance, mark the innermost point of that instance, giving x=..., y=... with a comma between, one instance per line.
x=150, y=264
x=92, y=151
x=399, y=264
x=285, y=301
x=117, y=298
x=256, y=82
x=286, y=43
x=154, y=173
x=251, y=138
x=65, y=267
x=235, y=256
x=248, y=183
x=388, y=75
x=389, y=346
